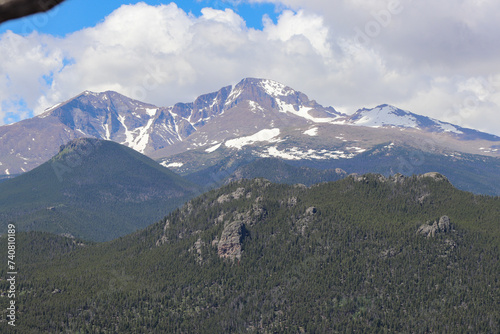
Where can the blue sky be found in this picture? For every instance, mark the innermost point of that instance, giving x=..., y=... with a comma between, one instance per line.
x=74, y=15
x=434, y=58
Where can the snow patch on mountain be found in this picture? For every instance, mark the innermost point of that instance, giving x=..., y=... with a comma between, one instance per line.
x=254, y=106
x=448, y=127
x=213, y=148
x=385, y=116
x=172, y=164
x=488, y=150
x=142, y=139
x=139, y=137
x=235, y=93
x=46, y=111
x=311, y=132
x=151, y=111
x=295, y=153
x=275, y=89
x=301, y=111
x=268, y=135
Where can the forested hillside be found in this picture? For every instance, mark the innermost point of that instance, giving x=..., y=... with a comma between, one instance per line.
x=364, y=254
x=92, y=189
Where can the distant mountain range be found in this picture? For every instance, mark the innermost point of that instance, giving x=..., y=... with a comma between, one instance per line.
x=257, y=118
x=365, y=253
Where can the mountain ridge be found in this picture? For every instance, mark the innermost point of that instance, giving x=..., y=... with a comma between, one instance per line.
x=231, y=113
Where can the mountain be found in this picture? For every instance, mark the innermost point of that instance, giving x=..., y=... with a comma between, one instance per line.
x=390, y=116
x=324, y=147
x=257, y=118
x=92, y=189
x=141, y=126
x=272, y=169
x=363, y=254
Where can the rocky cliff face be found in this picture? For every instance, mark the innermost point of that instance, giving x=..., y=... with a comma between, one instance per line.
x=229, y=245
x=430, y=230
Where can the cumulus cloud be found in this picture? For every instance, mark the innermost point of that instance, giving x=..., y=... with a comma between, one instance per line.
x=434, y=58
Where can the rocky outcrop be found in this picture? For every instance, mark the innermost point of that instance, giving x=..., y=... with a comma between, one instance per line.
x=163, y=238
x=291, y=202
x=435, y=176
x=229, y=245
x=340, y=172
x=304, y=221
x=197, y=248
x=397, y=178
x=237, y=194
x=366, y=177
x=441, y=226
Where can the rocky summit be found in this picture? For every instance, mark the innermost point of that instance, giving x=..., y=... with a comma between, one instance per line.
x=254, y=111
x=220, y=133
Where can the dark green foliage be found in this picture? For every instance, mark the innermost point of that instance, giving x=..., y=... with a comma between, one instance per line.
x=337, y=257
x=93, y=189
x=276, y=170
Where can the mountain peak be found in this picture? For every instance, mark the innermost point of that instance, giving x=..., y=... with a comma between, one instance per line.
x=383, y=115
x=270, y=87
x=237, y=111
x=386, y=115
x=90, y=175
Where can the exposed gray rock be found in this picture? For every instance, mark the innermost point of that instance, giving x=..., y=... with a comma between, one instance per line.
x=391, y=252
x=357, y=177
x=434, y=175
x=215, y=242
x=441, y=226
x=167, y=225
x=161, y=241
x=444, y=224
x=198, y=249
x=229, y=245
x=292, y=201
x=304, y=221
x=422, y=198
x=237, y=194
x=219, y=219
x=311, y=210
x=397, y=178
x=223, y=198
x=163, y=238
x=340, y=171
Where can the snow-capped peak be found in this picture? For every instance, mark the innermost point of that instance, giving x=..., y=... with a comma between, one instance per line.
x=390, y=116
x=275, y=89
x=384, y=115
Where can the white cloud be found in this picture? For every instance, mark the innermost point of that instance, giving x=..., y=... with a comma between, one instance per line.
x=439, y=59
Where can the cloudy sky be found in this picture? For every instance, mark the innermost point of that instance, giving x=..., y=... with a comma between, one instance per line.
x=436, y=58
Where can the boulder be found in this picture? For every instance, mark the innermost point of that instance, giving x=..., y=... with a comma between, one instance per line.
x=441, y=226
